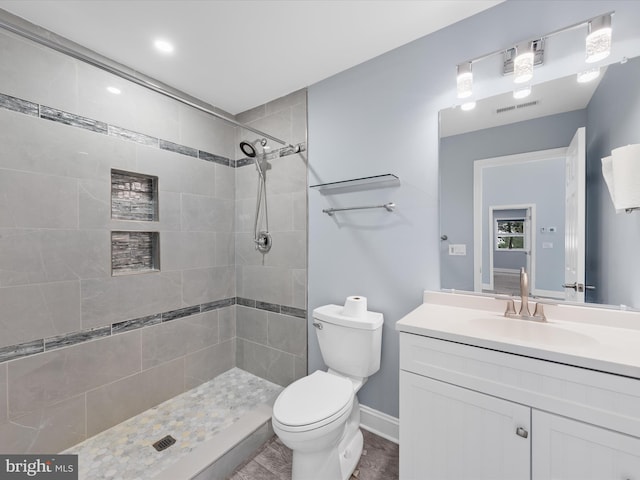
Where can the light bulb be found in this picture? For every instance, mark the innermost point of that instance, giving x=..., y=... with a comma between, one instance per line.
x=523, y=63
x=464, y=80
x=598, y=41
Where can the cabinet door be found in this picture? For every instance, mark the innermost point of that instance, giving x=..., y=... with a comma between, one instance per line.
x=451, y=433
x=571, y=450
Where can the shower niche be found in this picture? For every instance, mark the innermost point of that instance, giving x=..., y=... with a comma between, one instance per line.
x=134, y=197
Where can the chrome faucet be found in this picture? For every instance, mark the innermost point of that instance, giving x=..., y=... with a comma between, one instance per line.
x=524, y=313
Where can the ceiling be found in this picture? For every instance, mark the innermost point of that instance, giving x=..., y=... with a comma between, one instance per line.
x=237, y=54
x=549, y=98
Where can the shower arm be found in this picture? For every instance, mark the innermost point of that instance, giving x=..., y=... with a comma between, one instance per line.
x=35, y=33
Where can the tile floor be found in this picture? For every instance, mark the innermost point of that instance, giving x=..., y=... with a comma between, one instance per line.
x=379, y=461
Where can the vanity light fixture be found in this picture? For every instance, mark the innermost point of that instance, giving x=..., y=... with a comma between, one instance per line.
x=163, y=46
x=522, y=92
x=588, y=75
x=598, y=41
x=468, y=106
x=114, y=90
x=523, y=63
x=464, y=80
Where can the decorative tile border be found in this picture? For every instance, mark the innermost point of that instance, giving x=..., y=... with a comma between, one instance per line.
x=272, y=307
x=13, y=352
x=48, y=113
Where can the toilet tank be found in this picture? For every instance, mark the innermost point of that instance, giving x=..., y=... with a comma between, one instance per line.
x=349, y=345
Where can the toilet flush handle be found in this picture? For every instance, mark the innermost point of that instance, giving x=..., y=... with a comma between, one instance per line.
x=318, y=325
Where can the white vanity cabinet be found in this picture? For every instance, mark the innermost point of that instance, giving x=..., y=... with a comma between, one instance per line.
x=564, y=448
x=455, y=433
x=476, y=413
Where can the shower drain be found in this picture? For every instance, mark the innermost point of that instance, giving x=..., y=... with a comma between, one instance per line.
x=164, y=443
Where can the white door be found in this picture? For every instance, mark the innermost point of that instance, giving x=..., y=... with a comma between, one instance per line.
x=574, y=239
x=451, y=433
x=566, y=449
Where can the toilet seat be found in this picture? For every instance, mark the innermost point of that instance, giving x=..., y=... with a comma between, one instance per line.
x=313, y=401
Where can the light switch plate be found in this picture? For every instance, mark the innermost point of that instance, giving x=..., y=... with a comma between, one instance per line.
x=458, y=249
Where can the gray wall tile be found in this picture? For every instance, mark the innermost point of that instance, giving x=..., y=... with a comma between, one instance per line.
x=288, y=333
x=37, y=201
x=37, y=256
x=49, y=429
x=299, y=125
x=288, y=175
x=268, y=284
x=48, y=378
x=299, y=367
x=252, y=324
x=187, y=250
x=24, y=65
x=207, y=213
x=274, y=365
x=37, y=146
x=294, y=99
x=208, y=363
x=136, y=108
x=225, y=182
x=225, y=249
x=206, y=132
x=109, y=300
x=249, y=116
x=32, y=312
x=299, y=201
x=113, y=403
x=227, y=319
x=299, y=299
x=177, y=338
x=208, y=284
x=4, y=414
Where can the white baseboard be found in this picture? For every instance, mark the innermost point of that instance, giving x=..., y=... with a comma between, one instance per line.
x=380, y=423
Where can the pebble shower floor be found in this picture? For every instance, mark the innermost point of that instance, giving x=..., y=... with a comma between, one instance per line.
x=126, y=451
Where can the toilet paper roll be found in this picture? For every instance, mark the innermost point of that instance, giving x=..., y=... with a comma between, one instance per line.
x=355, y=306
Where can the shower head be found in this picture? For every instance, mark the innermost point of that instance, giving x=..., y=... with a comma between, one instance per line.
x=249, y=149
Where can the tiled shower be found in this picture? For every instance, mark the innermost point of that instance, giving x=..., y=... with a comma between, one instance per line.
x=128, y=273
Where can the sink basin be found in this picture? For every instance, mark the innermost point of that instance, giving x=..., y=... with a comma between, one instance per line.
x=605, y=340
x=514, y=329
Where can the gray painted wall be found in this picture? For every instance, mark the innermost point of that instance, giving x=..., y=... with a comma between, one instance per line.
x=382, y=116
x=535, y=183
x=457, y=154
x=613, y=119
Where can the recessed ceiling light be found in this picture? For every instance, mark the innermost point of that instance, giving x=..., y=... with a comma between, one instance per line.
x=163, y=46
x=114, y=90
x=588, y=75
x=522, y=92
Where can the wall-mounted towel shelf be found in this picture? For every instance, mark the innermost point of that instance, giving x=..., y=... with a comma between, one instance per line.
x=388, y=206
x=376, y=181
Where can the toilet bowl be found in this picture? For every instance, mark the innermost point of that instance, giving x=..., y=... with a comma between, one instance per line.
x=318, y=416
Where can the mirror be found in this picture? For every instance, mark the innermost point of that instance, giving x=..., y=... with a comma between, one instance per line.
x=510, y=191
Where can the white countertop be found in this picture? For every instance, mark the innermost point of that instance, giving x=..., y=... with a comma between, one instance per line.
x=602, y=342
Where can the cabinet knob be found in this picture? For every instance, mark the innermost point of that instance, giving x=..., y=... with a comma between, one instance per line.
x=521, y=432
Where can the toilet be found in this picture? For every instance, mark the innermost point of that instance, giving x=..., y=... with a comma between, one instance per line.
x=318, y=416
